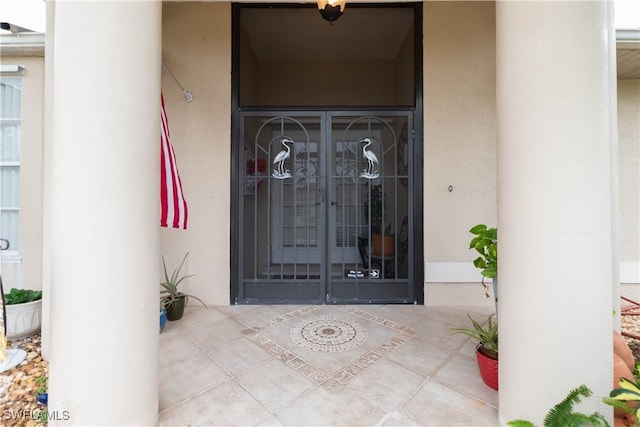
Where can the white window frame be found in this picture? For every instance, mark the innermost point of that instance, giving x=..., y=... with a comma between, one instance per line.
x=12, y=254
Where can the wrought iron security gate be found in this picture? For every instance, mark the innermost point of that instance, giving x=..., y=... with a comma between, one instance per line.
x=325, y=213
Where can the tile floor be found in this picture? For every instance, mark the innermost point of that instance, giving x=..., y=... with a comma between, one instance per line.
x=240, y=366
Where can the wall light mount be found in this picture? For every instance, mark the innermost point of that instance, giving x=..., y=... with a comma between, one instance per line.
x=331, y=10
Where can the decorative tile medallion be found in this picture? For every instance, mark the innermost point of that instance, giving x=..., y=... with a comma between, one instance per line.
x=329, y=333
x=325, y=332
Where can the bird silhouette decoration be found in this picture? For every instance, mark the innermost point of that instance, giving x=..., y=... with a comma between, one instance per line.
x=280, y=172
x=369, y=172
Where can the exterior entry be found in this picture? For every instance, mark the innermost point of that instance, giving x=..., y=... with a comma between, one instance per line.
x=325, y=179
x=326, y=213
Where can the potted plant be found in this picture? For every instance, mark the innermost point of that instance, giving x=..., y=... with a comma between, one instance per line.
x=382, y=240
x=486, y=349
x=174, y=301
x=163, y=317
x=24, y=312
x=485, y=242
x=562, y=414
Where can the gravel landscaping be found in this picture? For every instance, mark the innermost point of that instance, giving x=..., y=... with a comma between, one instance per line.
x=19, y=385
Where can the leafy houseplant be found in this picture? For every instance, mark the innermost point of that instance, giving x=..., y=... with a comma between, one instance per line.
x=485, y=243
x=486, y=350
x=375, y=209
x=173, y=300
x=626, y=397
x=21, y=296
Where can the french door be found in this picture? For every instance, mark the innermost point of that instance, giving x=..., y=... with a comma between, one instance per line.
x=325, y=211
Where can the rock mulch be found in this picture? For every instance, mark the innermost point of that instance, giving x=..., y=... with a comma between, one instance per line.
x=19, y=404
x=631, y=323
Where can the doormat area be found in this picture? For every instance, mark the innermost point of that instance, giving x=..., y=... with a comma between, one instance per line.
x=329, y=333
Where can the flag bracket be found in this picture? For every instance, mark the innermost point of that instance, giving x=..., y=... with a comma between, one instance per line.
x=188, y=96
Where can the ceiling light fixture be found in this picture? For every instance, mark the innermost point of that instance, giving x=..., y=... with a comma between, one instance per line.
x=331, y=10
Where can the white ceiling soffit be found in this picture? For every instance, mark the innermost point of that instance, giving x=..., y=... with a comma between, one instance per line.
x=302, y=34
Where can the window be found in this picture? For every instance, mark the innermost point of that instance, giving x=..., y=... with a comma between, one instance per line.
x=10, y=130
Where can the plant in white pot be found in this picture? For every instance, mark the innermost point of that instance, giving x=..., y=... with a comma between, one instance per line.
x=24, y=312
x=485, y=242
x=174, y=301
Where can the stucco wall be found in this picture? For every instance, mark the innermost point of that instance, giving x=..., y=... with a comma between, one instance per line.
x=459, y=142
x=25, y=271
x=459, y=125
x=196, y=46
x=629, y=172
x=326, y=82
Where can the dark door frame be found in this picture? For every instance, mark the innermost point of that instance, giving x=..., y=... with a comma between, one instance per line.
x=416, y=190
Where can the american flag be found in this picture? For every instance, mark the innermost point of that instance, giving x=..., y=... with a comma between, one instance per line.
x=173, y=205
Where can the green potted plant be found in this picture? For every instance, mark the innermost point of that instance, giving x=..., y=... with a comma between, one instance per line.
x=563, y=415
x=163, y=317
x=485, y=242
x=626, y=397
x=486, y=349
x=174, y=301
x=382, y=239
x=24, y=312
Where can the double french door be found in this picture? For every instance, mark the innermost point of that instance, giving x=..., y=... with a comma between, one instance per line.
x=324, y=204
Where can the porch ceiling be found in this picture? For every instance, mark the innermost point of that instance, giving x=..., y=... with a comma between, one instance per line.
x=301, y=34
x=628, y=61
x=628, y=53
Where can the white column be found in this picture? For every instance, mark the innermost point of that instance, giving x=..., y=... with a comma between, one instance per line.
x=615, y=177
x=554, y=204
x=105, y=213
x=46, y=184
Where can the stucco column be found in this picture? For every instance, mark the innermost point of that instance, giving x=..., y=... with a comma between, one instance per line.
x=46, y=183
x=105, y=213
x=555, y=212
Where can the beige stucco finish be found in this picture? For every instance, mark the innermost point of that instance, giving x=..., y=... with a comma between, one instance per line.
x=196, y=46
x=629, y=170
x=25, y=271
x=459, y=125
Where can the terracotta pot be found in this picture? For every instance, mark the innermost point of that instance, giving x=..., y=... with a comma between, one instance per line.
x=383, y=245
x=488, y=368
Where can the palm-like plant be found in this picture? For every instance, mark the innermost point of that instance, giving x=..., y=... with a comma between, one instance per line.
x=487, y=336
x=171, y=294
x=562, y=415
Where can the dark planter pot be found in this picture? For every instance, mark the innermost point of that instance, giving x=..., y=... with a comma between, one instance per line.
x=175, y=310
x=488, y=367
